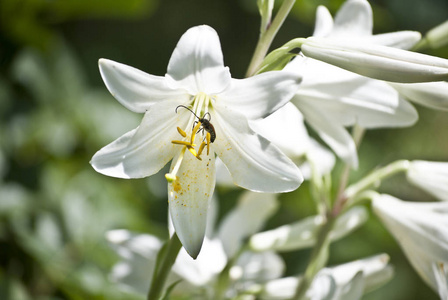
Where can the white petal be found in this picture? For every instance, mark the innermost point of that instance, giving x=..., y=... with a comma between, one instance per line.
x=316, y=74
x=145, y=150
x=135, y=89
x=400, y=39
x=432, y=177
x=189, y=199
x=202, y=270
x=354, y=18
x=379, y=62
x=260, y=95
x=333, y=134
x=253, y=161
x=303, y=234
x=430, y=94
x=248, y=217
x=324, y=22
x=223, y=177
x=138, y=253
x=423, y=263
x=352, y=99
x=438, y=36
x=441, y=274
x=319, y=160
x=197, y=63
x=258, y=267
x=418, y=227
x=286, y=130
x=353, y=109
x=283, y=288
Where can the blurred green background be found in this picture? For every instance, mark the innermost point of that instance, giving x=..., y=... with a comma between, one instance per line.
x=55, y=113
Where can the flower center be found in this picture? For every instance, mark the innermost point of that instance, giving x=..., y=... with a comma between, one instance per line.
x=198, y=123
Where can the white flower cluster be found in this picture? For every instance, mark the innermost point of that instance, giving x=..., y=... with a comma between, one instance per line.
x=254, y=129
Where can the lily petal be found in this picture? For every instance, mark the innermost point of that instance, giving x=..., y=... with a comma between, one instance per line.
x=335, y=135
x=430, y=94
x=197, y=63
x=354, y=18
x=285, y=128
x=341, y=282
x=209, y=263
x=257, y=267
x=248, y=217
x=431, y=177
x=189, y=199
x=319, y=160
x=375, y=61
x=253, y=161
x=421, y=229
x=135, y=89
x=401, y=39
x=303, y=234
x=138, y=252
x=145, y=150
x=261, y=95
x=324, y=22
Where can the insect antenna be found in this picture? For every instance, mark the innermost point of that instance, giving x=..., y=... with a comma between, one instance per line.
x=188, y=109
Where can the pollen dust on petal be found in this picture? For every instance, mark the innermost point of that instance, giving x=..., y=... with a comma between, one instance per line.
x=176, y=186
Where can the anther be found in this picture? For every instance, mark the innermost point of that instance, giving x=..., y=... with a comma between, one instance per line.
x=184, y=143
x=208, y=136
x=181, y=132
x=195, y=129
x=201, y=148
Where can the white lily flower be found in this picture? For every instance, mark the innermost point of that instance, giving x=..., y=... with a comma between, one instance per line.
x=331, y=98
x=197, y=90
x=139, y=253
x=431, y=177
x=343, y=282
x=421, y=229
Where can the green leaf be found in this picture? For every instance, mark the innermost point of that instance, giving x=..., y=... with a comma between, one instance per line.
x=168, y=291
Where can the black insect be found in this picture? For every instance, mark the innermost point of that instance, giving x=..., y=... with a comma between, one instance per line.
x=205, y=123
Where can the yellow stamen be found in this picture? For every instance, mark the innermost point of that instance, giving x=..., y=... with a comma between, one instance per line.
x=200, y=150
x=207, y=136
x=170, y=177
x=181, y=132
x=195, y=129
x=184, y=143
x=192, y=150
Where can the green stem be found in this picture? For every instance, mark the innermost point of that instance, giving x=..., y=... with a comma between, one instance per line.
x=267, y=37
x=320, y=251
x=357, y=134
x=377, y=176
x=166, y=258
x=223, y=279
x=318, y=258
